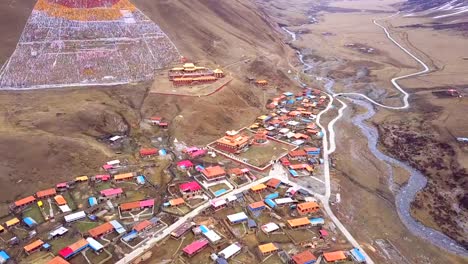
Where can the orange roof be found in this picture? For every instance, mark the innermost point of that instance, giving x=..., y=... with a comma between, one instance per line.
x=177, y=201
x=257, y=204
x=130, y=205
x=45, y=193
x=78, y=244
x=267, y=248
x=334, y=256
x=236, y=171
x=124, y=176
x=234, y=140
x=213, y=172
x=258, y=187
x=60, y=200
x=299, y=222
x=297, y=153
x=34, y=245
x=58, y=260
x=304, y=257
x=307, y=205
x=101, y=230
x=25, y=201
x=205, y=78
x=142, y=225
x=273, y=183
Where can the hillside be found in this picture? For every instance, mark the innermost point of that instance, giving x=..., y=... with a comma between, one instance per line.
x=59, y=129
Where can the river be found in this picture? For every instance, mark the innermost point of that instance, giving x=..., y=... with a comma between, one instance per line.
x=417, y=181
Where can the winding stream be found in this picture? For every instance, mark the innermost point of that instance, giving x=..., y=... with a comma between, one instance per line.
x=416, y=182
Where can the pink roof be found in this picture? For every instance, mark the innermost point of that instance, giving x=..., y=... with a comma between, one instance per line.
x=185, y=163
x=62, y=185
x=323, y=232
x=147, y=203
x=110, y=192
x=103, y=176
x=107, y=166
x=190, y=187
x=197, y=153
x=195, y=246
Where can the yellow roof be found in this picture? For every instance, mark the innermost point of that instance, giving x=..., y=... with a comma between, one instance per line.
x=123, y=176
x=177, y=69
x=258, y=187
x=263, y=117
x=218, y=71
x=265, y=248
x=1, y=228
x=12, y=222
x=81, y=178
x=299, y=222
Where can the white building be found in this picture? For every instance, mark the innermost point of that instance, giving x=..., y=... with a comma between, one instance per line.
x=270, y=227
x=237, y=218
x=230, y=250
x=75, y=216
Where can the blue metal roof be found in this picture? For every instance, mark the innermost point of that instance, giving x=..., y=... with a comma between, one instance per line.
x=118, y=227
x=29, y=221
x=92, y=201
x=270, y=203
x=317, y=221
x=130, y=236
x=4, y=256
x=204, y=229
x=251, y=223
x=140, y=179
x=46, y=246
x=357, y=255
x=272, y=195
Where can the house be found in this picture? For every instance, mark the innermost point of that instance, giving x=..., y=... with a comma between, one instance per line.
x=299, y=223
x=101, y=230
x=148, y=152
x=267, y=249
x=213, y=173
x=181, y=230
x=46, y=193
x=212, y=236
x=258, y=188
x=141, y=180
x=112, y=193
x=285, y=162
x=233, y=142
x=312, y=151
x=305, y=257
x=81, y=179
x=138, y=205
x=335, y=256
x=12, y=222
x=273, y=183
x=75, y=216
x=177, y=202
x=2, y=229
x=25, y=202
x=92, y=201
x=29, y=222
x=269, y=227
x=237, y=218
x=94, y=244
x=103, y=177
x=34, y=246
x=185, y=165
x=58, y=260
x=317, y=221
x=257, y=206
x=155, y=120
x=297, y=155
x=218, y=204
x=270, y=203
x=190, y=189
x=230, y=251
x=124, y=177
x=237, y=172
x=74, y=249
x=357, y=255
x=4, y=257
x=197, y=154
x=145, y=224
x=195, y=247
x=303, y=169
x=59, y=200
x=307, y=208
x=284, y=201
x=58, y=232
x=118, y=227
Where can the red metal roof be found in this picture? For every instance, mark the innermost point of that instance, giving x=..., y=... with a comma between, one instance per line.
x=148, y=151
x=142, y=225
x=213, y=172
x=258, y=204
x=192, y=186
x=101, y=230
x=45, y=193
x=304, y=257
